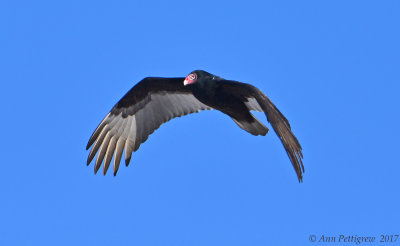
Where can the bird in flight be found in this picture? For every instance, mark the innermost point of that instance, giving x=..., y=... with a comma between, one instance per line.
x=154, y=101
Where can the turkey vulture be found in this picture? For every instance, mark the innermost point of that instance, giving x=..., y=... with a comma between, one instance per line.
x=154, y=101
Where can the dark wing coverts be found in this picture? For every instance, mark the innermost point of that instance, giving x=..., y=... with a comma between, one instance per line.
x=150, y=103
x=253, y=96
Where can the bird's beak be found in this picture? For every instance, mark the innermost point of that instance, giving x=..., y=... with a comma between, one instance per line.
x=185, y=82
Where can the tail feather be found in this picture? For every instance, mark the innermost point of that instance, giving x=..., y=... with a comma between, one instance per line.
x=254, y=127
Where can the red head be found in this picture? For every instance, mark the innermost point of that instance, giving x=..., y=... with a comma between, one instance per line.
x=190, y=79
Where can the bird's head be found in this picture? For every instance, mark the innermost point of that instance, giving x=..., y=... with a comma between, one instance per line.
x=198, y=76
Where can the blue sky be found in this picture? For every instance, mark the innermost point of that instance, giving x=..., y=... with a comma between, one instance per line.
x=332, y=67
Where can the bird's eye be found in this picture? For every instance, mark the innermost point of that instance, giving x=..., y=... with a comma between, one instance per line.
x=192, y=76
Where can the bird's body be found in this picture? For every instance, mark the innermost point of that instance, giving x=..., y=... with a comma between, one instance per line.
x=213, y=95
x=154, y=101
x=217, y=93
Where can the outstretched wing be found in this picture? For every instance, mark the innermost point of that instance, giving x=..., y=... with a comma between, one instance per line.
x=256, y=100
x=149, y=104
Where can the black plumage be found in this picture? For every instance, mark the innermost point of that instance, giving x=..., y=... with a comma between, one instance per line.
x=153, y=101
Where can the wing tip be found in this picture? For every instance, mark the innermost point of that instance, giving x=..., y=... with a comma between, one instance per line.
x=115, y=171
x=298, y=164
x=104, y=171
x=127, y=161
